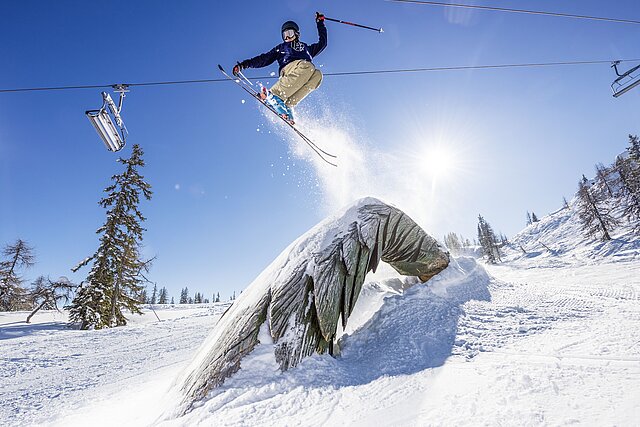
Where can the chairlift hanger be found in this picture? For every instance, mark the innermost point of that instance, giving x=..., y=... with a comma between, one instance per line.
x=113, y=135
x=625, y=81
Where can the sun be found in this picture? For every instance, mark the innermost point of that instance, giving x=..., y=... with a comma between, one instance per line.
x=438, y=161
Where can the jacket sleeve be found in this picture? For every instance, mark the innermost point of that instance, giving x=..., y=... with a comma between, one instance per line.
x=316, y=48
x=262, y=60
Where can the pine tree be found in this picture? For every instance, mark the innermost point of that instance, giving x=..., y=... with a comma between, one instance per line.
x=172, y=301
x=115, y=280
x=529, y=221
x=534, y=218
x=594, y=219
x=634, y=149
x=154, y=294
x=184, y=296
x=628, y=170
x=19, y=256
x=197, y=299
x=217, y=297
x=488, y=241
x=565, y=203
x=143, y=298
x=163, y=296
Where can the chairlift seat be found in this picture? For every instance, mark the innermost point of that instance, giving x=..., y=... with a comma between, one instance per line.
x=112, y=132
x=625, y=81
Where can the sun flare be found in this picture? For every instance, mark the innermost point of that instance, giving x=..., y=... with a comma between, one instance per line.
x=438, y=161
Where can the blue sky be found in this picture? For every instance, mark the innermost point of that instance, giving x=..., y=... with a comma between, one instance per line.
x=229, y=193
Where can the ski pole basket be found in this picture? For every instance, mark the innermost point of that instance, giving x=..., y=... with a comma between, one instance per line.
x=108, y=122
x=625, y=81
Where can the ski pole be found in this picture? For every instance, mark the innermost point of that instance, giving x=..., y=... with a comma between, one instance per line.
x=240, y=74
x=352, y=24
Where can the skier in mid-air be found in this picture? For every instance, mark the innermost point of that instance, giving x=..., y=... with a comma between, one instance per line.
x=298, y=76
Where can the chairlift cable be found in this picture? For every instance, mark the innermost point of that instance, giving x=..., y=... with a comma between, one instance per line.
x=98, y=86
x=476, y=67
x=334, y=74
x=530, y=12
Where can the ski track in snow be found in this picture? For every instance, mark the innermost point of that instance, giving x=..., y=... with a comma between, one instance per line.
x=480, y=345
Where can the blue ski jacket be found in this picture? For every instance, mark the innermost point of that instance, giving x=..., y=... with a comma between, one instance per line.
x=288, y=52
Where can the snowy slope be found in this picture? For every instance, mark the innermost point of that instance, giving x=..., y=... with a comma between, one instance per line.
x=545, y=338
x=558, y=239
x=48, y=370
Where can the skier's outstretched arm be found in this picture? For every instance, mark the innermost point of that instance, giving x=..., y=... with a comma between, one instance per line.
x=316, y=48
x=259, y=61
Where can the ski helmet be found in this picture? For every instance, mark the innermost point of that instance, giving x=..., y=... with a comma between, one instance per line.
x=290, y=25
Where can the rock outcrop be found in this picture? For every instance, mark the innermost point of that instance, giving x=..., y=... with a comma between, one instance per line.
x=311, y=287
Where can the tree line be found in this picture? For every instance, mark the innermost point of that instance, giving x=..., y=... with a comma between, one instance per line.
x=47, y=294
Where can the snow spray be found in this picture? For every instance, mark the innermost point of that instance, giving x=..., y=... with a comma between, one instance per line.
x=363, y=170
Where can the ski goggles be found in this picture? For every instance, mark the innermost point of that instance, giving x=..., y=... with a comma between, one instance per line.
x=288, y=34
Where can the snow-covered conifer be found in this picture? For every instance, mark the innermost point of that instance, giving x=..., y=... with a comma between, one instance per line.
x=163, y=296
x=143, y=296
x=628, y=171
x=634, y=149
x=534, y=217
x=184, y=296
x=115, y=280
x=197, y=299
x=154, y=294
x=488, y=240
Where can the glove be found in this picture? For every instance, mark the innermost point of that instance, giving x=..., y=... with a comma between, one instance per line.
x=238, y=67
x=319, y=17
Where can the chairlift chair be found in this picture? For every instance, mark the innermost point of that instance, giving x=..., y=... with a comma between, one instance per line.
x=625, y=81
x=113, y=135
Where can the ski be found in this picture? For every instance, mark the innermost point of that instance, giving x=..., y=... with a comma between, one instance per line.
x=251, y=91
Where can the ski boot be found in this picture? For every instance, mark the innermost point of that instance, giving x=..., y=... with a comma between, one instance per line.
x=275, y=102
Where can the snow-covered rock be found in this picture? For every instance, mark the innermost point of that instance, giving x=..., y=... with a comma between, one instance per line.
x=310, y=289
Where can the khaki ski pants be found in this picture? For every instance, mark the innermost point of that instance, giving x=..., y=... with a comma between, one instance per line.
x=297, y=80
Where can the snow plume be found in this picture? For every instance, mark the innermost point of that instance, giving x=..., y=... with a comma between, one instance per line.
x=363, y=171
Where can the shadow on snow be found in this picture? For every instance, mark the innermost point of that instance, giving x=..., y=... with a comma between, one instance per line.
x=22, y=329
